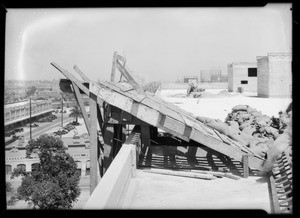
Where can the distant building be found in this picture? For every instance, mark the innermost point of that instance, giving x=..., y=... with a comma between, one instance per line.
x=212, y=75
x=17, y=114
x=44, y=88
x=274, y=77
x=189, y=79
x=66, y=104
x=242, y=75
x=78, y=148
x=48, y=94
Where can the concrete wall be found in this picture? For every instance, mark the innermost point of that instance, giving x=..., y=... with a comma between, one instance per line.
x=262, y=76
x=275, y=75
x=238, y=72
x=230, y=78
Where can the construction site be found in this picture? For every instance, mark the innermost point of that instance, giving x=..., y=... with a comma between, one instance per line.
x=162, y=150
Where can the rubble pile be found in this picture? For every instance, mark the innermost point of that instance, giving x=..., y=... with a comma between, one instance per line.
x=250, y=127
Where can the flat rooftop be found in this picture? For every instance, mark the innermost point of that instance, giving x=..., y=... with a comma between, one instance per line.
x=156, y=191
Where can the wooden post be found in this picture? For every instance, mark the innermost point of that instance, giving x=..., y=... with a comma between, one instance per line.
x=78, y=97
x=119, y=138
x=94, y=145
x=113, y=70
x=245, y=166
x=108, y=138
x=145, y=134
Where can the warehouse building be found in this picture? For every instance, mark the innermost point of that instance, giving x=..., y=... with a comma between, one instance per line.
x=243, y=76
x=274, y=75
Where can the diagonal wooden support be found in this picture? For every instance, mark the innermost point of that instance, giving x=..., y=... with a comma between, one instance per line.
x=78, y=97
x=129, y=78
x=72, y=78
x=83, y=76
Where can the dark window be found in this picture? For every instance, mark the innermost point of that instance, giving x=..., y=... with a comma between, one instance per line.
x=244, y=81
x=252, y=72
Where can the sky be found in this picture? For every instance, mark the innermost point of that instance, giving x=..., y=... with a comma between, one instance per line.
x=160, y=44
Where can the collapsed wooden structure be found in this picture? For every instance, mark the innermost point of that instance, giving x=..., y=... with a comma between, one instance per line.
x=115, y=104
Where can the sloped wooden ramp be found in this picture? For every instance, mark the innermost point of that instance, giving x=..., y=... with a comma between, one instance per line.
x=128, y=103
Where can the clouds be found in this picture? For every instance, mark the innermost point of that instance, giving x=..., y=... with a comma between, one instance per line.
x=163, y=43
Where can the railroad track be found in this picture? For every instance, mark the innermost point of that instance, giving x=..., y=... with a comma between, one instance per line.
x=281, y=185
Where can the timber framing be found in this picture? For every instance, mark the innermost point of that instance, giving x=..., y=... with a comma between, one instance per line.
x=116, y=104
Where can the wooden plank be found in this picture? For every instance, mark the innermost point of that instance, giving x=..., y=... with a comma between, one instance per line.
x=117, y=87
x=94, y=146
x=176, y=126
x=226, y=149
x=121, y=58
x=245, y=160
x=228, y=175
x=113, y=69
x=129, y=78
x=83, y=76
x=72, y=78
x=180, y=173
x=78, y=97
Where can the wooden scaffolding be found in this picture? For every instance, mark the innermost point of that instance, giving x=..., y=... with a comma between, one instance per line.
x=115, y=104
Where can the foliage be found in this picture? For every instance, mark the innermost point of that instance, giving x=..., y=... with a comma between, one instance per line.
x=31, y=91
x=53, y=183
x=9, y=187
x=75, y=112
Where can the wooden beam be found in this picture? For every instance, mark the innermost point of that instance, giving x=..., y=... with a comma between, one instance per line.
x=94, y=146
x=83, y=76
x=129, y=78
x=121, y=58
x=225, y=149
x=145, y=135
x=108, y=138
x=119, y=138
x=181, y=173
x=78, y=97
x=245, y=160
x=72, y=78
x=113, y=69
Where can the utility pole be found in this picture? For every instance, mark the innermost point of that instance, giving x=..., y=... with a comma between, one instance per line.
x=62, y=108
x=30, y=117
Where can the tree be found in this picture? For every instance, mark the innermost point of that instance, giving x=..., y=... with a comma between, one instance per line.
x=53, y=183
x=75, y=112
x=30, y=91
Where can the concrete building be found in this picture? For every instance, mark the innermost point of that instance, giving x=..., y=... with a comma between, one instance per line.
x=188, y=79
x=242, y=75
x=274, y=75
x=17, y=114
